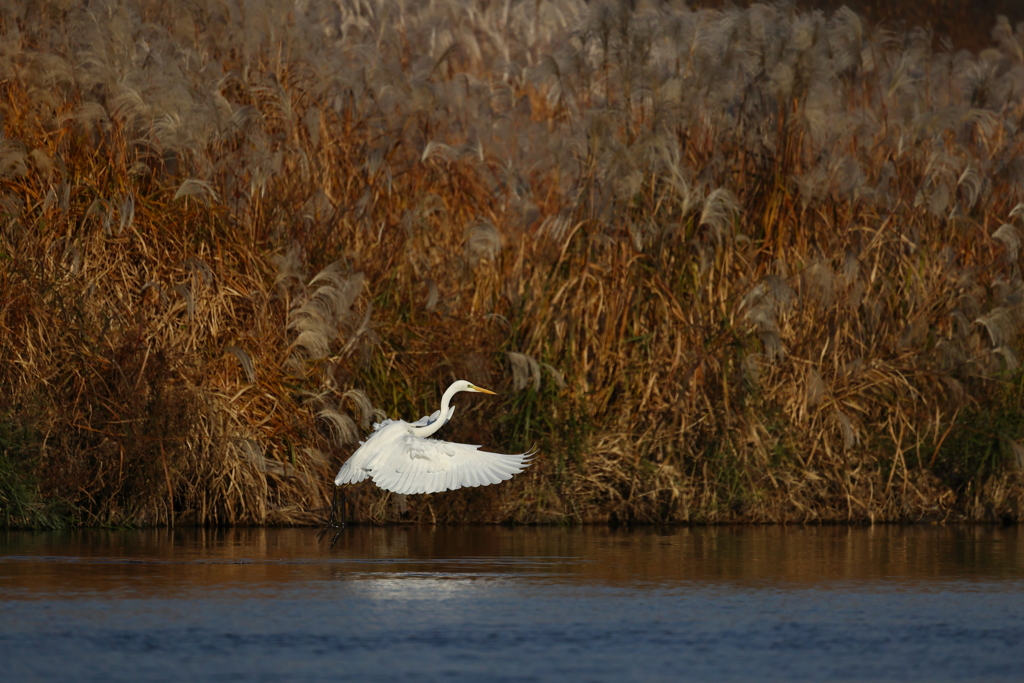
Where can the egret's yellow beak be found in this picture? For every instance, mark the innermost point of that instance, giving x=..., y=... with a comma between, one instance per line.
x=483, y=391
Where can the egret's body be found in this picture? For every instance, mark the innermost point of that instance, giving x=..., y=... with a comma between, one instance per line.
x=400, y=457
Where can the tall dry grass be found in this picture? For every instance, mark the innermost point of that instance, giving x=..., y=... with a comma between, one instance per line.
x=742, y=264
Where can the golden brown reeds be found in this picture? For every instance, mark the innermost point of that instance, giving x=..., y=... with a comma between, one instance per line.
x=726, y=265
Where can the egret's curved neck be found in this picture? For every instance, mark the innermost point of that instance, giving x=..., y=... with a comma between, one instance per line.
x=441, y=418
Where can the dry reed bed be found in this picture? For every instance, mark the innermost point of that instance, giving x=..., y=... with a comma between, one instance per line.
x=724, y=265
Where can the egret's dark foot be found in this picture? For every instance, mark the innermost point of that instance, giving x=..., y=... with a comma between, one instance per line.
x=337, y=519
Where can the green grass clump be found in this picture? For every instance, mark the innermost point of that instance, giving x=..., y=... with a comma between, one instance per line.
x=21, y=504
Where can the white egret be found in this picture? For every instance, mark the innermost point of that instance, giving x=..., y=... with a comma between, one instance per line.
x=399, y=457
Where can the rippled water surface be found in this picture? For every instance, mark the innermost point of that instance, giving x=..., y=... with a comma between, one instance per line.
x=486, y=603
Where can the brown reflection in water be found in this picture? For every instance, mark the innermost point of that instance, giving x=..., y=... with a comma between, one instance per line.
x=161, y=562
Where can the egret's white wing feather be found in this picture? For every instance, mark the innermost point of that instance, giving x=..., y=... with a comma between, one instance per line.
x=426, y=419
x=385, y=439
x=430, y=419
x=416, y=465
x=348, y=475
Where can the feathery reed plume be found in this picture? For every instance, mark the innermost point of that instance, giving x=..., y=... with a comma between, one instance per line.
x=319, y=317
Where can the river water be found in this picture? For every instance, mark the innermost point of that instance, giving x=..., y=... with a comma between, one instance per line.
x=520, y=604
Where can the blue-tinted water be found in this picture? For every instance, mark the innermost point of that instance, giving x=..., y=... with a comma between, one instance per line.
x=496, y=604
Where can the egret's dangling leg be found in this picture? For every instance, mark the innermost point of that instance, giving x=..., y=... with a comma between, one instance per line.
x=337, y=518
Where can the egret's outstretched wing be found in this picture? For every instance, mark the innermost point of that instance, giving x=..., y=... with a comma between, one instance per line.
x=416, y=465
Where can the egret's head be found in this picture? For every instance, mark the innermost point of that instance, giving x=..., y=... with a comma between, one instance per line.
x=463, y=385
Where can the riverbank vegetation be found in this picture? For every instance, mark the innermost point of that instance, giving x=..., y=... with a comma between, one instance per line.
x=754, y=264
